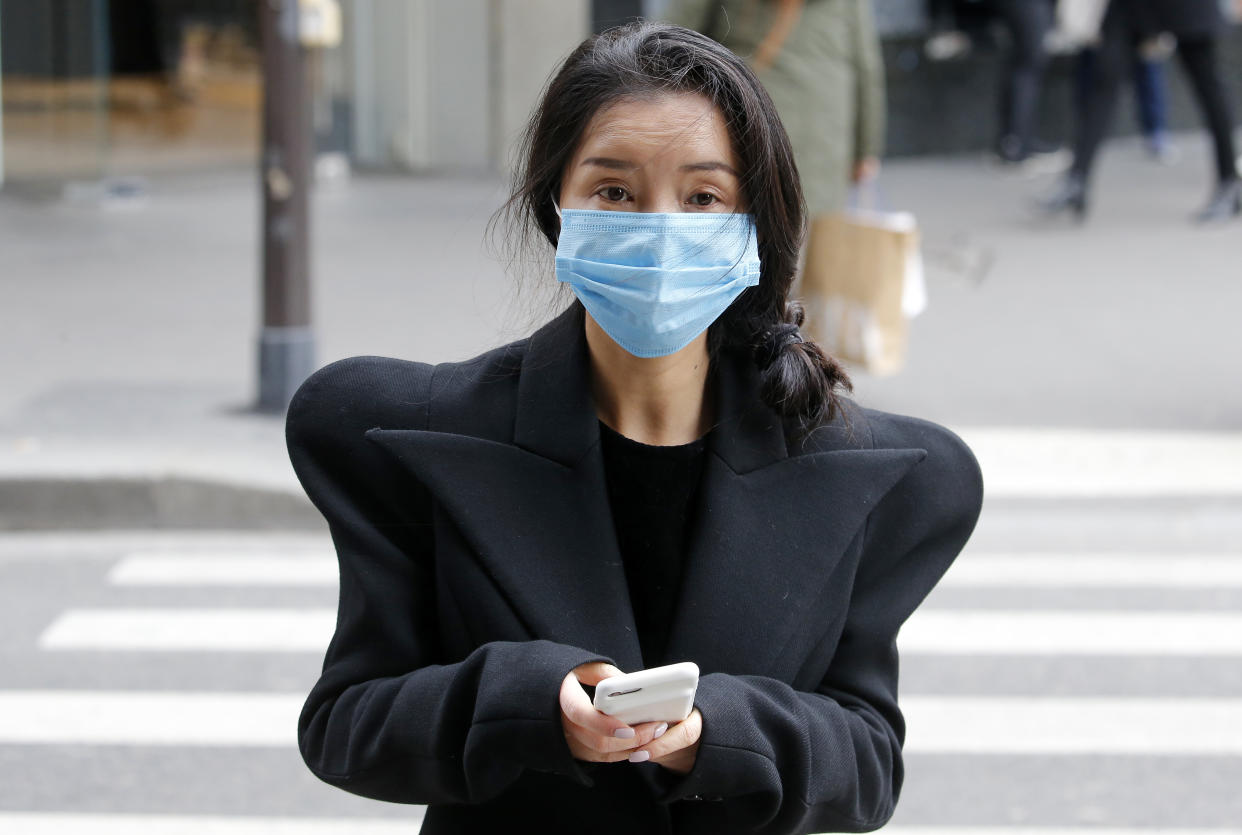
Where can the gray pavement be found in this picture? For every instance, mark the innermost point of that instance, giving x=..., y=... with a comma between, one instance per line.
x=128, y=328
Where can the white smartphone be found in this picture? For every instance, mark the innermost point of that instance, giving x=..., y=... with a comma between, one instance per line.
x=659, y=694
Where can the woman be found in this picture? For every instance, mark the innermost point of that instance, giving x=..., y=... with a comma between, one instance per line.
x=644, y=480
x=1196, y=24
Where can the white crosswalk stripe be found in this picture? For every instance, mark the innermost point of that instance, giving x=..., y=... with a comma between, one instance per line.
x=225, y=568
x=1033, y=632
x=1035, y=830
x=35, y=823
x=1098, y=571
x=972, y=569
x=149, y=718
x=1061, y=463
x=929, y=632
x=1047, y=725
x=189, y=630
x=1005, y=725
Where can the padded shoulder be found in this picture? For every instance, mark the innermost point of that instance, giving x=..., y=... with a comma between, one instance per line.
x=477, y=397
x=947, y=480
x=355, y=394
x=329, y=417
x=346, y=398
x=946, y=452
x=849, y=429
x=947, y=485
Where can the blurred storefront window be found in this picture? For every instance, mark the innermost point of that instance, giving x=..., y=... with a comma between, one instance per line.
x=99, y=88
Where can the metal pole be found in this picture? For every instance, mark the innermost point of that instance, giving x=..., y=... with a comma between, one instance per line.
x=286, y=344
x=1, y=122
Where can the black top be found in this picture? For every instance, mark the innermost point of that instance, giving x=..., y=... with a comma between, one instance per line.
x=651, y=491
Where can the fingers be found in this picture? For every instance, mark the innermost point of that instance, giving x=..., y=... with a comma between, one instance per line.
x=587, y=746
x=593, y=673
x=597, y=737
x=684, y=734
x=578, y=710
x=592, y=734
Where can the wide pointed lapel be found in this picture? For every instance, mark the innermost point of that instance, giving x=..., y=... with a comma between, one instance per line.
x=536, y=511
x=769, y=530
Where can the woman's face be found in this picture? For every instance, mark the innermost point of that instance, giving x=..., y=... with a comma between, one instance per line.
x=666, y=154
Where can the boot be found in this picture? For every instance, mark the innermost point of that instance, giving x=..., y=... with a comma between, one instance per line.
x=1070, y=196
x=1226, y=202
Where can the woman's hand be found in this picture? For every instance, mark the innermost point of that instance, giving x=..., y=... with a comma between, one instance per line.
x=594, y=736
x=783, y=23
x=597, y=737
x=868, y=168
x=679, y=748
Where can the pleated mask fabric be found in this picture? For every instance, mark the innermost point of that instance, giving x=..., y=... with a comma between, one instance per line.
x=655, y=281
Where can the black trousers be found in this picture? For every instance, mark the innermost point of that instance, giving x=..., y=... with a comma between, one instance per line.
x=1028, y=22
x=942, y=14
x=1198, y=57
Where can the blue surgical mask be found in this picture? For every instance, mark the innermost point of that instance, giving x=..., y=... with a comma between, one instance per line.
x=653, y=281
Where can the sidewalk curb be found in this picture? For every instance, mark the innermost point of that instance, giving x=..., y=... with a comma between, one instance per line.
x=106, y=502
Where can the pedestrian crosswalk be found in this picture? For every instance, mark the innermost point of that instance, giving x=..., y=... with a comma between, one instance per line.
x=240, y=607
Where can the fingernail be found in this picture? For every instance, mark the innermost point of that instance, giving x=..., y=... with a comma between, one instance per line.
x=640, y=756
x=623, y=733
x=660, y=729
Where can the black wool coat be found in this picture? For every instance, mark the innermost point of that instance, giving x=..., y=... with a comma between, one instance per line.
x=479, y=565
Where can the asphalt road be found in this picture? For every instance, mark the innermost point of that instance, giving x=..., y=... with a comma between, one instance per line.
x=1109, y=695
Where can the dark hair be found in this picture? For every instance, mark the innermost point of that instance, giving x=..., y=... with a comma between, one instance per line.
x=797, y=379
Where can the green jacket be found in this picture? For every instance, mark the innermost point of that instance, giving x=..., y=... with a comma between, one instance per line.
x=827, y=83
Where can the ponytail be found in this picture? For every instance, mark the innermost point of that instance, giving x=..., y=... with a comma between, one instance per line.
x=796, y=378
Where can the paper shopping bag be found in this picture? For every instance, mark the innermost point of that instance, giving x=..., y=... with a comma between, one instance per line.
x=862, y=282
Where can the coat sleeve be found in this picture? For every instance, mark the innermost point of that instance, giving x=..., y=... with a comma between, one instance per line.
x=390, y=717
x=778, y=760
x=699, y=15
x=869, y=84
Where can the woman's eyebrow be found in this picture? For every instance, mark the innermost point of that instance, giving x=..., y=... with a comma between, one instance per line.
x=709, y=166
x=624, y=165
x=609, y=162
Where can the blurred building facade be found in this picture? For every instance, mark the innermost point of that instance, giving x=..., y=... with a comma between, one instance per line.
x=114, y=88
x=98, y=89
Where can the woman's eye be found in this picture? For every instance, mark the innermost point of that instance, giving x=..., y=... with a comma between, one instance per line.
x=614, y=194
x=703, y=199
